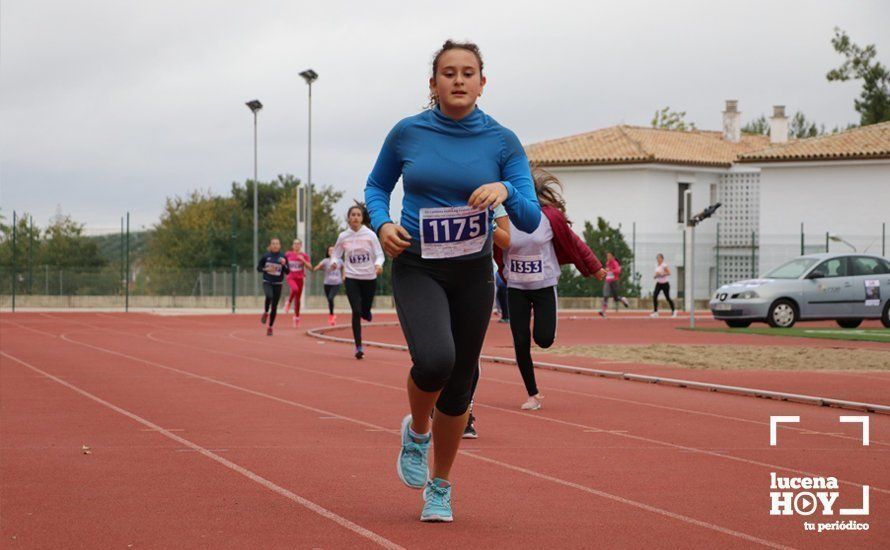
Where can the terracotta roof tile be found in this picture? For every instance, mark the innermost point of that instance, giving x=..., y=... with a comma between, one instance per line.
x=636, y=144
x=868, y=142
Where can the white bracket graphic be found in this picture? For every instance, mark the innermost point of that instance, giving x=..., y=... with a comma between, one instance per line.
x=774, y=420
x=858, y=511
x=864, y=421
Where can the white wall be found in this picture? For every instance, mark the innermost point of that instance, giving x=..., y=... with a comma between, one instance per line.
x=851, y=199
x=647, y=195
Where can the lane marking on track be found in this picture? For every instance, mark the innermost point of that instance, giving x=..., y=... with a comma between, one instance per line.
x=503, y=410
x=308, y=504
x=616, y=433
x=653, y=509
x=616, y=498
x=510, y=382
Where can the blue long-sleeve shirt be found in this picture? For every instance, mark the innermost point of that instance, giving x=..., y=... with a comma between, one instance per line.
x=442, y=161
x=272, y=261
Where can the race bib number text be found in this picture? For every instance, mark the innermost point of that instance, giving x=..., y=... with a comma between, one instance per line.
x=452, y=232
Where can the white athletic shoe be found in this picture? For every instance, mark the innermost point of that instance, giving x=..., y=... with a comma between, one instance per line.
x=653, y=314
x=533, y=403
x=675, y=313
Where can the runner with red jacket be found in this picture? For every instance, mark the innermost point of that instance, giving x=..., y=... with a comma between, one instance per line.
x=531, y=267
x=611, y=287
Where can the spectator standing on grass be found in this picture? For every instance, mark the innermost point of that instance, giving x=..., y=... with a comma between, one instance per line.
x=662, y=284
x=611, y=288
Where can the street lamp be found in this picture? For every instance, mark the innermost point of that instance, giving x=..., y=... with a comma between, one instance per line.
x=691, y=223
x=838, y=239
x=255, y=106
x=309, y=76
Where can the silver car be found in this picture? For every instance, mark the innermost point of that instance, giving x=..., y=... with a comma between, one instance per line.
x=846, y=288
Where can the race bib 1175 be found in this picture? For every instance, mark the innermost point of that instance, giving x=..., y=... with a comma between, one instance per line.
x=452, y=232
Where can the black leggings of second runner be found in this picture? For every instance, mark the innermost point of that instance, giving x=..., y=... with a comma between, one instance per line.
x=666, y=288
x=330, y=292
x=444, y=307
x=273, y=294
x=522, y=302
x=361, y=298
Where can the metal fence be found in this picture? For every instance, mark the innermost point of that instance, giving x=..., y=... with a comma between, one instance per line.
x=719, y=260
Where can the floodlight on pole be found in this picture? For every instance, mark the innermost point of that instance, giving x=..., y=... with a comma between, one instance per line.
x=691, y=222
x=834, y=237
x=309, y=76
x=255, y=106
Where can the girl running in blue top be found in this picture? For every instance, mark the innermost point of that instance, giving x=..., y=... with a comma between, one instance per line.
x=273, y=266
x=456, y=164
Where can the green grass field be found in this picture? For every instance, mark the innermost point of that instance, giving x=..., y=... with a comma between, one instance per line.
x=858, y=334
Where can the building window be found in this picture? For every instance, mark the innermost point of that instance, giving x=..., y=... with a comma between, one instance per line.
x=681, y=202
x=713, y=193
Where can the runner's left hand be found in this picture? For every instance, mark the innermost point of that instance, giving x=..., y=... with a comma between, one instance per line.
x=379, y=269
x=600, y=275
x=490, y=195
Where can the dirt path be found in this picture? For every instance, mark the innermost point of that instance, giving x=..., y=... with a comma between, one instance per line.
x=738, y=357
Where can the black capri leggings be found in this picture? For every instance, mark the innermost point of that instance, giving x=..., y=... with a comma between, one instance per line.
x=666, y=288
x=361, y=298
x=522, y=302
x=330, y=292
x=444, y=307
x=273, y=294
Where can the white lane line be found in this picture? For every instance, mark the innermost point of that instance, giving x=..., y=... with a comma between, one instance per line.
x=232, y=336
x=324, y=512
x=501, y=409
x=616, y=433
x=640, y=505
x=616, y=498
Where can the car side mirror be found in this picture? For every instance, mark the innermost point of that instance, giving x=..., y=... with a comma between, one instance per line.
x=816, y=275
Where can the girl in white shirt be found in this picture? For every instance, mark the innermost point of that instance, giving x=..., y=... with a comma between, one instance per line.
x=662, y=284
x=362, y=257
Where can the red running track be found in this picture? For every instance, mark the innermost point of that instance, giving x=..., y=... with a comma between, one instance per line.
x=203, y=432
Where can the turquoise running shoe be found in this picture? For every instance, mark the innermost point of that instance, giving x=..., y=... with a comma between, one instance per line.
x=412, y=465
x=437, y=501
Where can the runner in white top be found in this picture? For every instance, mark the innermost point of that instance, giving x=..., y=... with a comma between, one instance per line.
x=531, y=266
x=363, y=259
x=333, y=278
x=662, y=284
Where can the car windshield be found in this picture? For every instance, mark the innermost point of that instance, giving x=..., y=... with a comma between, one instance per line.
x=791, y=270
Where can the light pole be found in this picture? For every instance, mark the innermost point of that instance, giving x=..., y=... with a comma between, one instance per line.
x=309, y=76
x=691, y=222
x=838, y=239
x=255, y=107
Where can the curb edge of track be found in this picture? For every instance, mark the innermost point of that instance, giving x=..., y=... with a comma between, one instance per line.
x=321, y=334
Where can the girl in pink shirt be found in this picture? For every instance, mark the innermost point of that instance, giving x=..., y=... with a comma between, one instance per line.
x=610, y=287
x=297, y=262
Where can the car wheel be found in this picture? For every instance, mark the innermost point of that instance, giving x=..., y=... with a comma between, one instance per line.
x=885, y=318
x=849, y=323
x=738, y=324
x=782, y=314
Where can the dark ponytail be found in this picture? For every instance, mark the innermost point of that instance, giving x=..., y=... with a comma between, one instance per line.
x=366, y=218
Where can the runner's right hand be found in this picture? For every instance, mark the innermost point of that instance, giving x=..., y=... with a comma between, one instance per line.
x=394, y=239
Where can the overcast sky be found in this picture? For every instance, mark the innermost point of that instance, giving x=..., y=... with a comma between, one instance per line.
x=109, y=106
